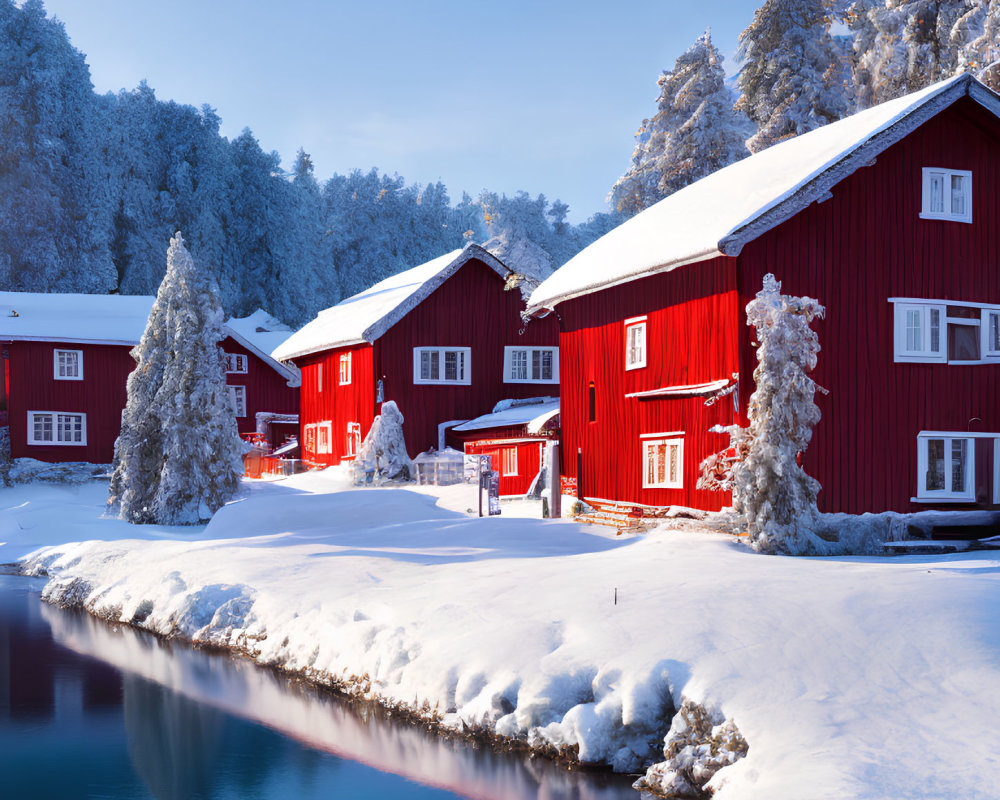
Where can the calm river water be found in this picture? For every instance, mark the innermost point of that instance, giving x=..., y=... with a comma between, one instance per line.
x=89, y=710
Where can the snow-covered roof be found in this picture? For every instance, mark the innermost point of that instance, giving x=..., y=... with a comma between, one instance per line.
x=533, y=412
x=119, y=319
x=720, y=213
x=79, y=318
x=368, y=315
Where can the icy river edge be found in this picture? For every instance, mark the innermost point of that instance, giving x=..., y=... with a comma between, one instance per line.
x=841, y=673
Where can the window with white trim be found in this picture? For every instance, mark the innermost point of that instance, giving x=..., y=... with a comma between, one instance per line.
x=56, y=427
x=946, y=467
x=663, y=463
x=238, y=397
x=442, y=365
x=947, y=194
x=510, y=461
x=236, y=362
x=323, y=437
x=353, y=438
x=942, y=332
x=531, y=365
x=310, y=431
x=635, y=343
x=345, y=369
x=991, y=333
x=67, y=365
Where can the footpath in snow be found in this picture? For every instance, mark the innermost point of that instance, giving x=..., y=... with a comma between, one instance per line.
x=848, y=677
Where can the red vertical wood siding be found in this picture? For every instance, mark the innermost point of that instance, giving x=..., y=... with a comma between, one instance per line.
x=100, y=395
x=267, y=389
x=852, y=253
x=339, y=405
x=529, y=462
x=470, y=309
x=691, y=338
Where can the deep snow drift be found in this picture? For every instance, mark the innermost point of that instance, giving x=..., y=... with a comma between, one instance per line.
x=848, y=677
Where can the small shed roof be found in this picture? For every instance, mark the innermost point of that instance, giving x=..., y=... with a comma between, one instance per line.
x=367, y=315
x=533, y=412
x=723, y=211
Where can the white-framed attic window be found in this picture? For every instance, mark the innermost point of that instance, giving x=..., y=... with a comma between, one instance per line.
x=236, y=363
x=635, y=343
x=947, y=194
x=663, y=463
x=946, y=467
x=67, y=365
x=448, y=365
x=57, y=427
x=531, y=365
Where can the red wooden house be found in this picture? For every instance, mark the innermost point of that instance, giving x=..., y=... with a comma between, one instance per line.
x=66, y=359
x=890, y=218
x=445, y=340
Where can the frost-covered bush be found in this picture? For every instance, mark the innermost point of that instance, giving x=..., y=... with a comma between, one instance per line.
x=700, y=743
x=178, y=456
x=383, y=456
x=772, y=492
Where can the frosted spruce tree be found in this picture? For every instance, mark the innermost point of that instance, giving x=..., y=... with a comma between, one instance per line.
x=383, y=455
x=794, y=73
x=773, y=494
x=694, y=132
x=178, y=456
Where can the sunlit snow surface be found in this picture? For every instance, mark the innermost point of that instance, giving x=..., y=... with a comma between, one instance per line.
x=861, y=677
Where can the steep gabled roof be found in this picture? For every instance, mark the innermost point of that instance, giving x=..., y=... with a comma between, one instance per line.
x=720, y=213
x=260, y=333
x=366, y=316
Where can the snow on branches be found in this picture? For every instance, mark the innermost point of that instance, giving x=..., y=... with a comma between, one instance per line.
x=383, y=456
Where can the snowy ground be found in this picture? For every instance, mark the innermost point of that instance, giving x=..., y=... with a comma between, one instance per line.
x=859, y=677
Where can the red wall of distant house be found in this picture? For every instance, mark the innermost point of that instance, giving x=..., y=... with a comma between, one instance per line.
x=100, y=395
x=528, y=462
x=267, y=390
x=470, y=309
x=853, y=252
x=691, y=338
x=336, y=403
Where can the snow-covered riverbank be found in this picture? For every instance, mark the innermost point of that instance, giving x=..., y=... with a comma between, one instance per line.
x=862, y=677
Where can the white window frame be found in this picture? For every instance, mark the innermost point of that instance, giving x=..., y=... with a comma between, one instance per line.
x=238, y=398
x=648, y=444
x=344, y=364
x=529, y=354
x=236, y=363
x=990, y=318
x=353, y=438
x=967, y=494
x=464, y=380
x=57, y=367
x=928, y=175
x=310, y=434
x=509, y=457
x=324, y=431
x=54, y=426
x=633, y=361
x=987, y=314
x=925, y=353
x=319, y=378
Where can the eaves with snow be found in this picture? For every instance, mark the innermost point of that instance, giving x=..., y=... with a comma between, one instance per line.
x=719, y=214
x=365, y=317
x=533, y=412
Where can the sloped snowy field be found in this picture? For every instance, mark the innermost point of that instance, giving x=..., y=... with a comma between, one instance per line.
x=864, y=677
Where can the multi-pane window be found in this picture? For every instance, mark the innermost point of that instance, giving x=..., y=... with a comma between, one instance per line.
x=236, y=362
x=53, y=427
x=946, y=332
x=947, y=194
x=67, y=365
x=510, y=461
x=946, y=467
x=310, y=431
x=442, y=365
x=238, y=397
x=353, y=438
x=991, y=333
x=323, y=437
x=531, y=365
x=635, y=343
x=345, y=368
x=663, y=463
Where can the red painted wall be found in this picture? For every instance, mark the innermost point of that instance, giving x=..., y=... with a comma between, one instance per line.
x=267, y=390
x=855, y=251
x=691, y=338
x=100, y=395
x=529, y=462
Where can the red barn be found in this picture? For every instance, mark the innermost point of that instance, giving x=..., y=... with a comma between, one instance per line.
x=444, y=340
x=891, y=219
x=66, y=359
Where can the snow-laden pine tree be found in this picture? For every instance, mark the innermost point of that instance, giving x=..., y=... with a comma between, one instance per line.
x=793, y=75
x=694, y=132
x=178, y=456
x=771, y=491
x=383, y=455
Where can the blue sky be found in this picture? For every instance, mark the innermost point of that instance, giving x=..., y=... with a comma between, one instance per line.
x=541, y=96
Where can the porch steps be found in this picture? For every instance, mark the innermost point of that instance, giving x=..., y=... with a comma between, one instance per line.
x=627, y=518
x=924, y=547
